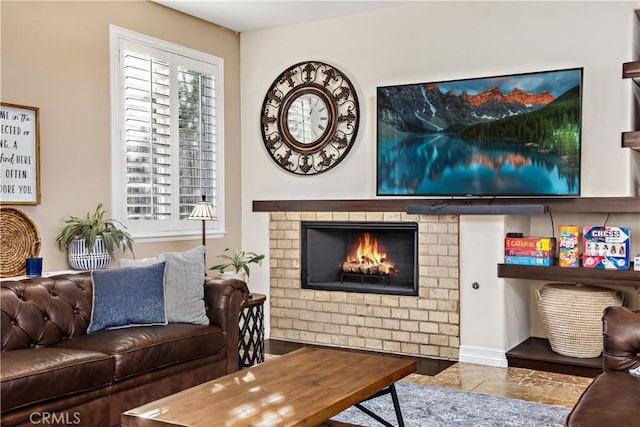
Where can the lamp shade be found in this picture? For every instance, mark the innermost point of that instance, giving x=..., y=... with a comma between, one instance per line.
x=203, y=211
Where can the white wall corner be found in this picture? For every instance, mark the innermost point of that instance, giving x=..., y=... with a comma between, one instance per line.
x=482, y=295
x=517, y=298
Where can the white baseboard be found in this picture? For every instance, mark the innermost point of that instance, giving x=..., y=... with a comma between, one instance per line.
x=482, y=356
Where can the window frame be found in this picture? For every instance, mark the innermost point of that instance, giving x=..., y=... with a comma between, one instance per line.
x=156, y=231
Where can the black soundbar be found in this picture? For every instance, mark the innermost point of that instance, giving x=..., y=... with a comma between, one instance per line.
x=478, y=210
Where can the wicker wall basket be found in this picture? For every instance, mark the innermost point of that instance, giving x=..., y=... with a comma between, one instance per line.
x=19, y=239
x=572, y=317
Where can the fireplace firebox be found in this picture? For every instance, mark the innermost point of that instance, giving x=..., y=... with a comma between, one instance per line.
x=367, y=257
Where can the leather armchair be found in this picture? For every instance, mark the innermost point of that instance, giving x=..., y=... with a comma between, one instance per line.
x=613, y=398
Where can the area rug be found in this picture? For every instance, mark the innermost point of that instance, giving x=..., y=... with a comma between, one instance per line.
x=426, y=406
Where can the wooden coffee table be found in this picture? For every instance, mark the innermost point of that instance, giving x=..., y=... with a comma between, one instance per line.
x=302, y=388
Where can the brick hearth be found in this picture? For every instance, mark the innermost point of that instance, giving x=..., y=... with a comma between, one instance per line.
x=427, y=325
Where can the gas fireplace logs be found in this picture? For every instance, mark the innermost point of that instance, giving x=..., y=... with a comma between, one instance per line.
x=365, y=268
x=368, y=259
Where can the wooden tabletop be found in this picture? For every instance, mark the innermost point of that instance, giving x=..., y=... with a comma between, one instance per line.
x=256, y=299
x=302, y=388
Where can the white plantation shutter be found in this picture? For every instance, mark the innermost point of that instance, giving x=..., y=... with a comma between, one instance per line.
x=147, y=133
x=196, y=93
x=168, y=151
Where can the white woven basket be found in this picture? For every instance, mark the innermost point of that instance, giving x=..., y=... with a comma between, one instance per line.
x=572, y=317
x=79, y=259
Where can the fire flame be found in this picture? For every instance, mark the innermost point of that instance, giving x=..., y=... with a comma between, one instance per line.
x=368, y=258
x=368, y=251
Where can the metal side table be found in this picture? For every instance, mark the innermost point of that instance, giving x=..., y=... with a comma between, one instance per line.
x=251, y=344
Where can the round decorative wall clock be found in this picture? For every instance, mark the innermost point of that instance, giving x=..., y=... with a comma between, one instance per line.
x=309, y=118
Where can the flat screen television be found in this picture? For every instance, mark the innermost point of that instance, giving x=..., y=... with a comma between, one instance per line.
x=512, y=135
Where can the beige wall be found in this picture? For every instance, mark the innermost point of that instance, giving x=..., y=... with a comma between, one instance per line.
x=443, y=40
x=55, y=56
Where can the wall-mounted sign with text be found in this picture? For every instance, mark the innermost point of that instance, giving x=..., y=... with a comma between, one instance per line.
x=19, y=154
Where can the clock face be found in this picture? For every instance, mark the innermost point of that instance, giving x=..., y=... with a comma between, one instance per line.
x=309, y=118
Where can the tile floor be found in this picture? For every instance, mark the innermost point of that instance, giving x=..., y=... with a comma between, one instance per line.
x=515, y=383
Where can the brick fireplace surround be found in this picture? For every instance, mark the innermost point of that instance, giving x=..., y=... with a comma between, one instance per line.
x=426, y=325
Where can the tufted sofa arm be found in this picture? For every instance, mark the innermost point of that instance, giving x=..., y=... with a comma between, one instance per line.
x=40, y=312
x=621, y=339
x=224, y=300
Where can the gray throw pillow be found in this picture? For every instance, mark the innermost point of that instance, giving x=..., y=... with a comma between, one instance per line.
x=126, y=262
x=184, y=286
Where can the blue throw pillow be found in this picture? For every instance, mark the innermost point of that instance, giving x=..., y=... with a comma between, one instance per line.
x=130, y=296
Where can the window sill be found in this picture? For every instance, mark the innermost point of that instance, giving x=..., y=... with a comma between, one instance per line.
x=173, y=236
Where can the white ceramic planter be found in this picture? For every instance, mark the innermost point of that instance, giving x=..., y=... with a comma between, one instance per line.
x=79, y=259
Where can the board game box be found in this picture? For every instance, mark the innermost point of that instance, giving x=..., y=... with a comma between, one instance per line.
x=528, y=260
x=605, y=247
x=568, y=246
x=530, y=243
x=530, y=253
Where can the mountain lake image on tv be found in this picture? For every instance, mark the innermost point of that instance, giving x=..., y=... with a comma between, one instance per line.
x=515, y=135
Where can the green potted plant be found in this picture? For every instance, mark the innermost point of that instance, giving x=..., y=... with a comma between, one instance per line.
x=239, y=260
x=92, y=241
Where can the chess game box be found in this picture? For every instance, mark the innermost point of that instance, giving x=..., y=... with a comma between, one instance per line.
x=606, y=247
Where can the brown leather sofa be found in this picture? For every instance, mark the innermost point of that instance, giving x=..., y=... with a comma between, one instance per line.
x=53, y=373
x=613, y=398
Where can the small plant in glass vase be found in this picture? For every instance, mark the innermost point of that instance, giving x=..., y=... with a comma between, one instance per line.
x=92, y=241
x=239, y=261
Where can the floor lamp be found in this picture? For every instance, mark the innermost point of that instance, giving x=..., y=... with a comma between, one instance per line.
x=204, y=212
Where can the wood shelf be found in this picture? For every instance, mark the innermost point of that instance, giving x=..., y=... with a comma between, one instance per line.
x=536, y=353
x=631, y=140
x=571, y=275
x=631, y=70
x=555, y=205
